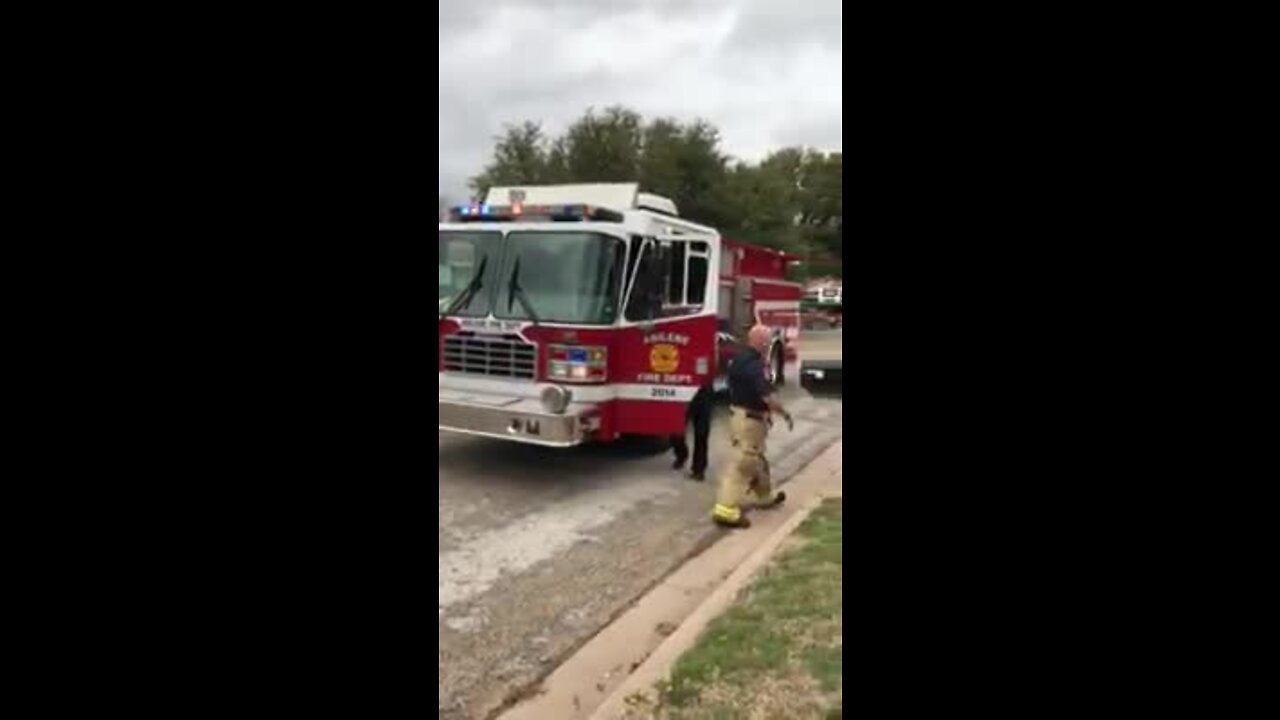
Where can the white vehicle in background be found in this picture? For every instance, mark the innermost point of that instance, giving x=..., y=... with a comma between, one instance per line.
x=830, y=295
x=823, y=304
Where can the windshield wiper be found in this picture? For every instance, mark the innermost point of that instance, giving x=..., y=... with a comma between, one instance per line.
x=517, y=293
x=469, y=292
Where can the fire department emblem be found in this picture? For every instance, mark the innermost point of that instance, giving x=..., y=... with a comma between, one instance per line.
x=664, y=358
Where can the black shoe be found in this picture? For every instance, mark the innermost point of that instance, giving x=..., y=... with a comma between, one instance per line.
x=742, y=523
x=698, y=476
x=777, y=501
x=677, y=465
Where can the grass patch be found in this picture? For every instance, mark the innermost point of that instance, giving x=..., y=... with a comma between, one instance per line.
x=778, y=652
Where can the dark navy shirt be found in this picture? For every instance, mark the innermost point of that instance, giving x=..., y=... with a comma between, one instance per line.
x=748, y=386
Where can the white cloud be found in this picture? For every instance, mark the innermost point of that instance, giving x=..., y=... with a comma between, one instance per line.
x=765, y=74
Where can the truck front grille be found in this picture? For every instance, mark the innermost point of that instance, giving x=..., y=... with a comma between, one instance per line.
x=494, y=355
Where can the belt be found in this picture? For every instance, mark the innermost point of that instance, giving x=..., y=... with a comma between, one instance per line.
x=753, y=414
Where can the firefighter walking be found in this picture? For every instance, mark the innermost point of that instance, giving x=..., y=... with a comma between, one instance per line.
x=745, y=483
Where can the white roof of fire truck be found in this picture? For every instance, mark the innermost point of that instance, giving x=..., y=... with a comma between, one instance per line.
x=616, y=196
x=599, y=202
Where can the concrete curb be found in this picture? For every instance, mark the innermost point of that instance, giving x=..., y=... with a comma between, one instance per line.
x=592, y=673
x=658, y=665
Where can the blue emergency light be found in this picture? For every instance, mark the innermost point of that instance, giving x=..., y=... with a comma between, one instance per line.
x=532, y=213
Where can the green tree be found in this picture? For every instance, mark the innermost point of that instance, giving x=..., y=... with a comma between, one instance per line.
x=791, y=200
x=821, y=215
x=684, y=163
x=765, y=200
x=519, y=158
x=660, y=165
x=702, y=192
x=600, y=148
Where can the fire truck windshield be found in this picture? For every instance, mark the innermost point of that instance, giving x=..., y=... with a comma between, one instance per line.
x=563, y=277
x=462, y=256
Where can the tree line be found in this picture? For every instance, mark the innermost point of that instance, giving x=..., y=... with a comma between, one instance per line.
x=791, y=200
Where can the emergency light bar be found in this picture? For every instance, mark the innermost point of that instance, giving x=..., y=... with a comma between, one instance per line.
x=577, y=363
x=532, y=213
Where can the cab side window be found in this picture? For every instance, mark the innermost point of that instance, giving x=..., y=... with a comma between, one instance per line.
x=699, y=265
x=649, y=287
x=670, y=281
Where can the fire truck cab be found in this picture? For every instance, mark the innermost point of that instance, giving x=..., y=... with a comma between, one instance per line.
x=580, y=313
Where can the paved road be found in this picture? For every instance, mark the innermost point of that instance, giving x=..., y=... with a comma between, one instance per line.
x=541, y=548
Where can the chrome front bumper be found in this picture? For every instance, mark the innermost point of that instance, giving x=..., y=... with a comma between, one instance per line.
x=519, y=419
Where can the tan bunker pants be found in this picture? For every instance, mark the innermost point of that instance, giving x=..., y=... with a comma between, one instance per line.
x=745, y=481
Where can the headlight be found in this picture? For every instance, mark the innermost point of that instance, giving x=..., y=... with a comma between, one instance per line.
x=556, y=399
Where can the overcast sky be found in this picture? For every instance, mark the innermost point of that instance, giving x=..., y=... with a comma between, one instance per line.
x=767, y=73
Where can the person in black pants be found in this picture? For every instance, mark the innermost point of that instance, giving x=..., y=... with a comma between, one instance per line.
x=699, y=416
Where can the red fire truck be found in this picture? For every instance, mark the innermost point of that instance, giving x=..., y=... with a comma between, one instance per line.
x=580, y=313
